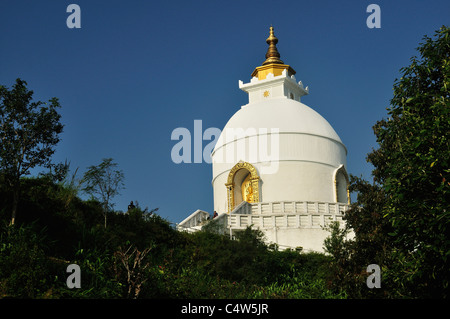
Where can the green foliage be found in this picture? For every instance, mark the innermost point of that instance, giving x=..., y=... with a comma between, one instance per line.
x=414, y=166
x=98, y=276
x=56, y=232
x=192, y=282
x=103, y=182
x=370, y=244
x=298, y=285
x=401, y=222
x=29, y=132
x=245, y=259
x=334, y=244
x=216, y=225
x=24, y=268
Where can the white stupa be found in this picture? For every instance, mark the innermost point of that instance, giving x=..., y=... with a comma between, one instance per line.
x=278, y=164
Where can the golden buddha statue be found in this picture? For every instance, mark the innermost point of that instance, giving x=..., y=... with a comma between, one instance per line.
x=247, y=189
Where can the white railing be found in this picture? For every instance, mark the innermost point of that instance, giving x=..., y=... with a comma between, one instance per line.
x=243, y=208
x=194, y=220
x=287, y=214
x=299, y=207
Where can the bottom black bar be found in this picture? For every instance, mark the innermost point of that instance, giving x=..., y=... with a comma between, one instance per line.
x=219, y=308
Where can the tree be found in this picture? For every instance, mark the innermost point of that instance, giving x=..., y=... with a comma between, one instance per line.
x=370, y=244
x=413, y=164
x=134, y=263
x=29, y=132
x=103, y=182
x=402, y=221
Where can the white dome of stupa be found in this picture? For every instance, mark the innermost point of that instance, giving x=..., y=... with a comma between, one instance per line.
x=288, y=115
x=283, y=149
x=278, y=165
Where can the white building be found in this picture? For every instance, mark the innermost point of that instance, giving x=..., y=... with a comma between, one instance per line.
x=278, y=164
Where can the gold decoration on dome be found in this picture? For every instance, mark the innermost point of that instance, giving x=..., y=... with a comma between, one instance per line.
x=272, y=55
x=266, y=93
x=273, y=64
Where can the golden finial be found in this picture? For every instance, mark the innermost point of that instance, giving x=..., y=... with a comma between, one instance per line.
x=273, y=63
x=272, y=55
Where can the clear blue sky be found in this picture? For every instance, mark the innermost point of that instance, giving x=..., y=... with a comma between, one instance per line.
x=136, y=70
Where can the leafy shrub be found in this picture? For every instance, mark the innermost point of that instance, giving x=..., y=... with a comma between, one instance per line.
x=24, y=268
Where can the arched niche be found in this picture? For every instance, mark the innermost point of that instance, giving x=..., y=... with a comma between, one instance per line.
x=341, y=183
x=242, y=181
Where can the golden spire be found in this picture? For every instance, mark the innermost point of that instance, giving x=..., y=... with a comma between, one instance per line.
x=273, y=63
x=272, y=55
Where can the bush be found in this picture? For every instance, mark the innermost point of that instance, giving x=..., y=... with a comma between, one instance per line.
x=24, y=268
x=57, y=228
